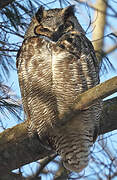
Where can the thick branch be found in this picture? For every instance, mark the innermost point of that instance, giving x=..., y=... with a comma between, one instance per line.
x=17, y=149
x=12, y=176
x=108, y=121
x=100, y=91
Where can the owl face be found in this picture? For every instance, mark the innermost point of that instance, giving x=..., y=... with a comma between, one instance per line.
x=56, y=22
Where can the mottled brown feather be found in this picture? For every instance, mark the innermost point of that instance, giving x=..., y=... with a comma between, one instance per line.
x=56, y=63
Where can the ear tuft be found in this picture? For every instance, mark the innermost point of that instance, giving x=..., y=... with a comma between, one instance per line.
x=69, y=11
x=39, y=14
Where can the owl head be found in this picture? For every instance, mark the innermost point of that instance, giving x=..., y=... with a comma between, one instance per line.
x=53, y=23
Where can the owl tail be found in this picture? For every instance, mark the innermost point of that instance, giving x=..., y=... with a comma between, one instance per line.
x=74, y=150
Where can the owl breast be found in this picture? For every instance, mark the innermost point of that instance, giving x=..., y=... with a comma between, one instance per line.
x=73, y=72
x=73, y=69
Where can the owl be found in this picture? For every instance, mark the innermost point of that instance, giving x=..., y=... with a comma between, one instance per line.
x=56, y=63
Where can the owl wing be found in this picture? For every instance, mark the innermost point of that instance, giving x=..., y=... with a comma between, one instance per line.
x=74, y=69
x=35, y=79
x=80, y=68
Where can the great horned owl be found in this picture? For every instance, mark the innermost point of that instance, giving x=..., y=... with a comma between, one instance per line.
x=56, y=63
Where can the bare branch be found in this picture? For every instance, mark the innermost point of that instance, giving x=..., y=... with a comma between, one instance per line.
x=12, y=176
x=108, y=121
x=43, y=162
x=17, y=149
x=100, y=91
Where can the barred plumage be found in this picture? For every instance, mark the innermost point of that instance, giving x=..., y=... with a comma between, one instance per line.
x=56, y=63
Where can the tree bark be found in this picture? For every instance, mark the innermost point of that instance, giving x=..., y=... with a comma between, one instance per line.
x=17, y=149
x=12, y=176
x=108, y=121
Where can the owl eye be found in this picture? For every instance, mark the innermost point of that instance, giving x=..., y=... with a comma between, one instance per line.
x=67, y=26
x=61, y=28
x=39, y=30
x=44, y=30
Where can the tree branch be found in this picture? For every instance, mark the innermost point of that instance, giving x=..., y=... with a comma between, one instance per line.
x=108, y=121
x=17, y=149
x=12, y=176
x=98, y=92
